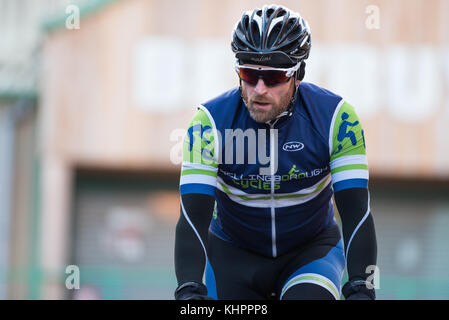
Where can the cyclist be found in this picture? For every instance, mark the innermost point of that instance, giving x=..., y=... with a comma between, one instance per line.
x=264, y=229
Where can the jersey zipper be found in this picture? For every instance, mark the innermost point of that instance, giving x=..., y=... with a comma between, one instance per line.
x=272, y=207
x=272, y=203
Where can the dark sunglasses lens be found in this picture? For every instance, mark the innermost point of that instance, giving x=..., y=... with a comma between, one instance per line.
x=249, y=75
x=270, y=77
x=274, y=77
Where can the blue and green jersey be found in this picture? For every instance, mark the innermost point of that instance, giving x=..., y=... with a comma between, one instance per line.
x=273, y=184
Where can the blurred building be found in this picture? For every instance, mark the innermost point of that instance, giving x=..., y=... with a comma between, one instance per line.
x=93, y=111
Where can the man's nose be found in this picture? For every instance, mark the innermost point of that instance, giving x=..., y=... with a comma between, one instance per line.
x=260, y=87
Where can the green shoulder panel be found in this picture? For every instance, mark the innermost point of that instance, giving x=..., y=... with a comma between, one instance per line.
x=348, y=137
x=199, y=141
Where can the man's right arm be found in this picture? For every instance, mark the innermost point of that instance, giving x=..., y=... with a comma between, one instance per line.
x=191, y=241
x=197, y=189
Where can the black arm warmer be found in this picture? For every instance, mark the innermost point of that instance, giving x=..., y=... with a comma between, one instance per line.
x=352, y=204
x=190, y=260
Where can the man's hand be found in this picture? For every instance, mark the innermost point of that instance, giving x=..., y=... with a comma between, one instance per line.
x=192, y=291
x=358, y=290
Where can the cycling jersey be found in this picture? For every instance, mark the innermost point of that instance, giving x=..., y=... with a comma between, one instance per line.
x=274, y=193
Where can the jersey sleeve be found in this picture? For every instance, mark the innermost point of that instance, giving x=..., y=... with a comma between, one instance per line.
x=199, y=164
x=348, y=161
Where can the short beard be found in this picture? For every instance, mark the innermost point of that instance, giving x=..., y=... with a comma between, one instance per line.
x=261, y=116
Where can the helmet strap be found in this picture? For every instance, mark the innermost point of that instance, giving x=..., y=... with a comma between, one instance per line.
x=240, y=88
x=301, y=72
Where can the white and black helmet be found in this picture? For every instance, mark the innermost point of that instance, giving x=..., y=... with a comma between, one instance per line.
x=273, y=36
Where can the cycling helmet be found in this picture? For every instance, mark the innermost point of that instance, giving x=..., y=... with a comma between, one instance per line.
x=272, y=36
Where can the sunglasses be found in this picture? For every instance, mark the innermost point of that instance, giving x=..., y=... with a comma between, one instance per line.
x=270, y=76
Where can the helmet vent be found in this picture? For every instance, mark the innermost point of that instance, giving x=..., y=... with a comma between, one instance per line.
x=290, y=25
x=255, y=32
x=245, y=22
x=274, y=34
x=281, y=13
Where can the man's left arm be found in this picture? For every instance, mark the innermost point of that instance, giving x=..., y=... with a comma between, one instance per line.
x=359, y=241
x=349, y=169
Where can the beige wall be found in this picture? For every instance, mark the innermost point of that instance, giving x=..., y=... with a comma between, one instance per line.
x=90, y=117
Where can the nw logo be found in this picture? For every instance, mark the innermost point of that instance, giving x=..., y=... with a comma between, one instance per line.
x=293, y=146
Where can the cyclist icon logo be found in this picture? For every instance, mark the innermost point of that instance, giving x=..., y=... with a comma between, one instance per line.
x=198, y=128
x=343, y=132
x=293, y=170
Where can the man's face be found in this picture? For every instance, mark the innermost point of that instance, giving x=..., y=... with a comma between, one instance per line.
x=266, y=103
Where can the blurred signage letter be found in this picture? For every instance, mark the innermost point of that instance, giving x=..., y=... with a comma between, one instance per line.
x=73, y=20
